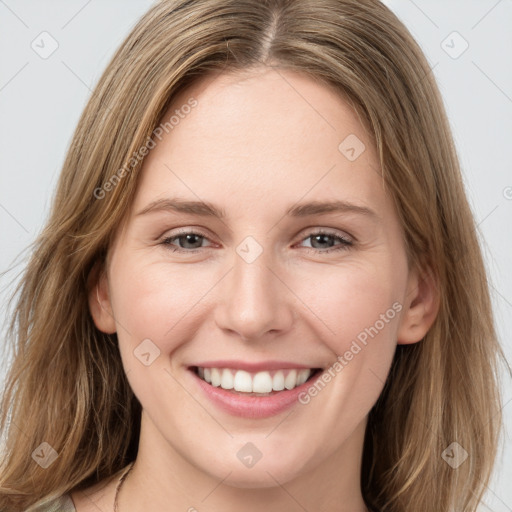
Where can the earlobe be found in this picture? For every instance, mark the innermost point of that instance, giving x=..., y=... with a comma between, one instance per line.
x=421, y=306
x=99, y=301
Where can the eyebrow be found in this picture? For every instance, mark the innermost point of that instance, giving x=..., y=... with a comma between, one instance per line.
x=206, y=209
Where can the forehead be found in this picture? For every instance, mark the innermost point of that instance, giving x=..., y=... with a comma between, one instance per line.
x=267, y=135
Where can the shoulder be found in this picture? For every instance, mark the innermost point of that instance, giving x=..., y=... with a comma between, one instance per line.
x=99, y=496
x=92, y=499
x=63, y=503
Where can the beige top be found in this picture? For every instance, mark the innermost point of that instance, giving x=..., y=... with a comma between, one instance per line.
x=62, y=504
x=65, y=504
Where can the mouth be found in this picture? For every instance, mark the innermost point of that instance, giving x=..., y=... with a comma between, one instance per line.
x=255, y=384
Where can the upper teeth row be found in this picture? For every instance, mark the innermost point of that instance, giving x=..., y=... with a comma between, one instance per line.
x=260, y=382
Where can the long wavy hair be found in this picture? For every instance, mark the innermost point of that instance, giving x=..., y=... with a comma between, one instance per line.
x=66, y=385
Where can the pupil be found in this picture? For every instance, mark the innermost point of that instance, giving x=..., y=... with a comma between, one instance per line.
x=191, y=236
x=320, y=237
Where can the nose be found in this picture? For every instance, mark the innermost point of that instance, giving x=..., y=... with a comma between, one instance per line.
x=255, y=302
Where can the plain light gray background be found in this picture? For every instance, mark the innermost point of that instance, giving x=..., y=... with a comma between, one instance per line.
x=468, y=45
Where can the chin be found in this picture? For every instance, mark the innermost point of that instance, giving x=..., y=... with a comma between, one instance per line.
x=264, y=474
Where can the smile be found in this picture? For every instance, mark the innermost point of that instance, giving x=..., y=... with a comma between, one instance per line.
x=262, y=383
x=253, y=394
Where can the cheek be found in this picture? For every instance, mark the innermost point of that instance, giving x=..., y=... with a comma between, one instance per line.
x=358, y=318
x=359, y=313
x=153, y=301
x=164, y=302
x=358, y=303
x=156, y=308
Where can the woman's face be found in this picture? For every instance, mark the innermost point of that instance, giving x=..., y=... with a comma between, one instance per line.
x=248, y=170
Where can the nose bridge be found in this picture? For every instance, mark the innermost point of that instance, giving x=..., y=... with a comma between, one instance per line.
x=255, y=301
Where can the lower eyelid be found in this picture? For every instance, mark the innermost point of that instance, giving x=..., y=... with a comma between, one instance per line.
x=168, y=239
x=345, y=243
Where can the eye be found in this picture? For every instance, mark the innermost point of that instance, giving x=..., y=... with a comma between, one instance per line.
x=191, y=241
x=187, y=238
x=321, y=237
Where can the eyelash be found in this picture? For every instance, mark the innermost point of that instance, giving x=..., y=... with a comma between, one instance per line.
x=343, y=246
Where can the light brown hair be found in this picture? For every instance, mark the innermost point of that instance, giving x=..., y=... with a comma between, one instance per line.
x=67, y=386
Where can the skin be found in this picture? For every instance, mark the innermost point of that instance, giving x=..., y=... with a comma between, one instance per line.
x=255, y=144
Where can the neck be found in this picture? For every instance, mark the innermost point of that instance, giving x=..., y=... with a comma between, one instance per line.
x=162, y=475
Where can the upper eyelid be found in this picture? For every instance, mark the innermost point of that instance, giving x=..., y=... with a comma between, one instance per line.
x=187, y=231
x=308, y=232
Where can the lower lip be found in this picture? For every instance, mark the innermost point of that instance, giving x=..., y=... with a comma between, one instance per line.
x=251, y=406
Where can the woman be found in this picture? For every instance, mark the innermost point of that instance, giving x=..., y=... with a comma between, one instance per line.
x=256, y=369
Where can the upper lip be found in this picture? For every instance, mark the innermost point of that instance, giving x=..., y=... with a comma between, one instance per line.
x=252, y=366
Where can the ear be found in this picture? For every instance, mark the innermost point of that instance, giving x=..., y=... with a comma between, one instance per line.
x=421, y=306
x=99, y=300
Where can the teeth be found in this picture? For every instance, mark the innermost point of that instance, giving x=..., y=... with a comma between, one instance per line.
x=260, y=382
x=243, y=381
x=227, y=381
x=278, y=381
x=302, y=377
x=216, y=377
x=291, y=380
